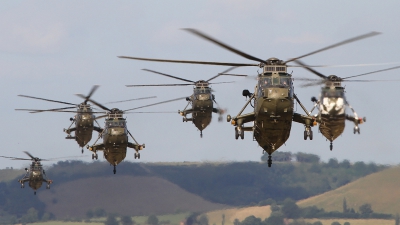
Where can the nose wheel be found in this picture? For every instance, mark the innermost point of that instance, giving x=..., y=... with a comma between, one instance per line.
x=95, y=156
x=308, y=133
x=137, y=155
x=356, y=130
x=82, y=151
x=331, y=146
x=269, y=160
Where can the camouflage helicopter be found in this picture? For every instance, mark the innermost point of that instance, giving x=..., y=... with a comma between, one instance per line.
x=83, y=120
x=201, y=100
x=115, y=135
x=332, y=102
x=273, y=98
x=35, y=175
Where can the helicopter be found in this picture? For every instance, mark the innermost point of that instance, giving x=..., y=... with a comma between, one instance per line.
x=83, y=119
x=332, y=102
x=115, y=134
x=35, y=175
x=273, y=98
x=201, y=100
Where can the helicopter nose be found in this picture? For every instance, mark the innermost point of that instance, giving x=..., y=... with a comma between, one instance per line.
x=117, y=131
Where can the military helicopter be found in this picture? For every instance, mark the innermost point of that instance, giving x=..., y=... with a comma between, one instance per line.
x=273, y=98
x=83, y=120
x=332, y=102
x=35, y=175
x=201, y=100
x=115, y=134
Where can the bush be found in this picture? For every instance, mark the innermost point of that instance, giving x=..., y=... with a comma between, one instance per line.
x=152, y=220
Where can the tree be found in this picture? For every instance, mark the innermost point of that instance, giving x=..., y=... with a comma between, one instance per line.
x=276, y=218
x=278, y=156
x=345, y=209
x=290, y=209
x=251, y=220
x=307, y=158
x=397, y=219
x=31, y=216
x=203, y=220
x=317, y=223
x=89, y=214
x=335, y=223
x=127, y=220
x=152, y=220
x=111, y=220
x=99, y=212
x=237, y=222
x=346, y=223
x=366, y=209
x=275, y=207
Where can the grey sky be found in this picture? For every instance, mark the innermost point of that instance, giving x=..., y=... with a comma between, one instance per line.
x=55, y=49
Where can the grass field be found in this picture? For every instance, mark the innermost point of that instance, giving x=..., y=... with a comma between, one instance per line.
x=353, y=221
x=238, y=213
x=381, y=190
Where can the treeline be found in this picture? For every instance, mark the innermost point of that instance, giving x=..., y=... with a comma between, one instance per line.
x=288, y=209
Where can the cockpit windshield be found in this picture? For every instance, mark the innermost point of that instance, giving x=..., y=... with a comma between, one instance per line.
x=202, y=91
x=332, y=93
x=116, y=124
x=274, y=82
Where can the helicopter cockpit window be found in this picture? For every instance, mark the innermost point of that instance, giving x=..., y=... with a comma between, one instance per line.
x=202, y=91
x=285, y=81
x=333, y=94
x=265, y=82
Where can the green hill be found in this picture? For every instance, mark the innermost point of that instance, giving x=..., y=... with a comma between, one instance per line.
x=381, y=190
x=10, y=174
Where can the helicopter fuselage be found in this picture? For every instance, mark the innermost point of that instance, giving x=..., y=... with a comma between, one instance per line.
x=332, y=113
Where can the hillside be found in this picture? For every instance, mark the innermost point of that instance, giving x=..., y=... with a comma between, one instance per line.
x=10, y=174
x=381, y=190
x=125, y=195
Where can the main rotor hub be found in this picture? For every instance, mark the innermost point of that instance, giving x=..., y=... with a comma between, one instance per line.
x=274, y=65
x=115, y=113
x=201, y=84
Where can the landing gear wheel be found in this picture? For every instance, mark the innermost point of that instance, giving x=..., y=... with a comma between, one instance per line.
x=34, y=193
x=92, y=156
x=236, y=133
x=331, y=146
x=220, y=119
x=305, y=135
x=97, y=157
x=311, y=135
x=22, y=185
x=138, y=155
x=201, y=134
x=242, y=134
x=358, y=130
x=82, y=151
x=48, y=187
x=135, y=155
x=269, y=160
x=354, y=130
x=115, y=170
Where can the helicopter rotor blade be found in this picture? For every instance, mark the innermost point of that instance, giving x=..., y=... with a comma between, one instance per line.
x=234, y=74
x=94, y=88
x=148, y=112
x=350, y=65
x=219, y=74
x=94, y=102
x=158, y=103
x=45, y=110
x=134, y=99
x=49, y=100
x=377, y=71
x=167, y=75
x=14, y=158
x=156, y=85
x=311, y=70
x=357, y=38
x=223, y=45
x=315, y=83
x=29, y=154
x=223, y=82
x=65, y=157
x=190, y=62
